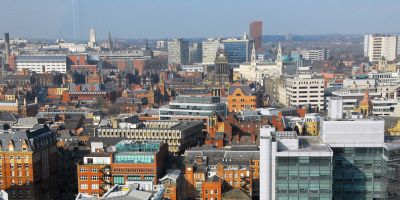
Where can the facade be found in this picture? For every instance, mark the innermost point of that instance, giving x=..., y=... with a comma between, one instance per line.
x=134, y=163
x=305, y=90
x=312, y=54
x=241, y=98
x=195, y=53
x=207, y=167
x=294, y=167
x=178, y=51
x=238, y=50
x=179, y=135
x=256, y=33
x=209, y=50
x=42, y=64
x=222, y=74
x=377, y=46
x=29, y=163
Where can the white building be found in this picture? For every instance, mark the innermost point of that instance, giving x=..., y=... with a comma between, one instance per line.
x=192, y=68
x=42, y=64
x=92, y=38
x=378, y=46
x=178, y=51
x=209, y=50
x=305, y=90
x=385, y=107
x=313, y=54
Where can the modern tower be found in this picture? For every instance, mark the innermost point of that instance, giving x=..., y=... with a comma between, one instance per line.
x=378, y=46
x=178, y=51
x=92, y=38
x=256, y=33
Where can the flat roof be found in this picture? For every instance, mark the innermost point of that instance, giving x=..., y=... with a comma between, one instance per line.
x=42, y=58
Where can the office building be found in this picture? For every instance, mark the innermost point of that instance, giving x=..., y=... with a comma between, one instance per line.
x=377, y=46
x=256, y=33
x=178, y=51
x=209, y=50
x=42, y=64
x=29, y=163
x=305, y=90
x=130, y=163
x=195, y=53
x=312, y=54
x=238, y=50
x=294, y=167
x=179, y=135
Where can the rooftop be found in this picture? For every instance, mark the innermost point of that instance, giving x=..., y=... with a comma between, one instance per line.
x=47, y=58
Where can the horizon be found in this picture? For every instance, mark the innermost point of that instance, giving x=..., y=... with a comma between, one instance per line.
x=72, y=19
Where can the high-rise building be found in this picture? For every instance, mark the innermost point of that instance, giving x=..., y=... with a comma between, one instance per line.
x=209, y=50
x=178, y=51
x=378, y=46
x=238, y=50
x=110, y=42
x=92, y=38
x=256, y=33
x=195, y=53
x=312, y=54
x=29, y=163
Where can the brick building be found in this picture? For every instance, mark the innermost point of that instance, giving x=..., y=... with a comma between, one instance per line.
x=241, y=98
x=29, y=163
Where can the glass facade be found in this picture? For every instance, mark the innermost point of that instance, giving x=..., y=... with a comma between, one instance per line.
x=238, y=51
x=359, y=173
x=133, y=158
x=118, y=180
x=303, y=178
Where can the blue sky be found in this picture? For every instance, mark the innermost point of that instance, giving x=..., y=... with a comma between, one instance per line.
x=136, y=19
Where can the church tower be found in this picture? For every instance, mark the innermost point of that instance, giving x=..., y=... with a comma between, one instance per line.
x=279, y=54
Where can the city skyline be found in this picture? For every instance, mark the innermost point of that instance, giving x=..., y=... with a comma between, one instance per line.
x=141, y=19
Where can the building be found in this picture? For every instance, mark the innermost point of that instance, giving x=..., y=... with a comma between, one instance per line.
x=42, y=64
x=238, y=50
x=179, y=135
x=256, y=33
x=29, y=163
x=194, y=108
x=178, y=51
x=312, y=54
x=92, y=38
x=305, y=90
x=131, y=163
x=377, y=46
x=209, y=50
x=195, y=53
x=209, y=168
x=242, y=98
x=173, y=184
x=294, y=167
x=221, y=74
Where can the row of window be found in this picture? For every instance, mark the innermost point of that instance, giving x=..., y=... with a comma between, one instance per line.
x=86, y=186
x=82, y=169
x=13, y=182
x=85, y=178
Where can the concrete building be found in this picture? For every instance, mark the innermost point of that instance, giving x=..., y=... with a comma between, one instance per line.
x=178, y=51
x=312, y=54
x=42, y=64
x=179, y=135
x=92, y=38
x=377, y=46
x=256, y=33
x=209, y=50
x=305, y=90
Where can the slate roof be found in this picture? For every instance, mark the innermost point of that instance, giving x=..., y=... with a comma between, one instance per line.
x=36, y=138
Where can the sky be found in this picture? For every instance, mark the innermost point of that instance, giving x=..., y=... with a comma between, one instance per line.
x=156, y=19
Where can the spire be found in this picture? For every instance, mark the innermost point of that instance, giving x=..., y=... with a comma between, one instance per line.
x=253, y=54
x=279, y=54
x=110, y=43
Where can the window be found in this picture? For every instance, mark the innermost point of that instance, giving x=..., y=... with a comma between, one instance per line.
x=95, y=170
x=82, y=169
x=83, y=178
x=95, y=186
x=95, y=178
x=19, y=182
x=28, y=182
x=84, y=186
